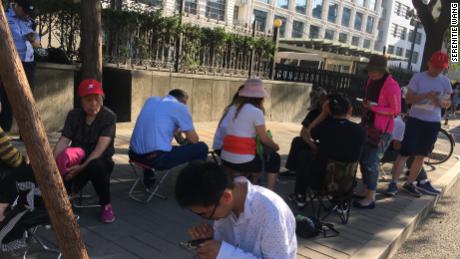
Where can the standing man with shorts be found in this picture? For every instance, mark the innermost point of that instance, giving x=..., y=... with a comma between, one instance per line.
x=428, y=93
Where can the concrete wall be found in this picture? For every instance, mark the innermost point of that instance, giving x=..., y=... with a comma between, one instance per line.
x=209, y=95
x=54, y=94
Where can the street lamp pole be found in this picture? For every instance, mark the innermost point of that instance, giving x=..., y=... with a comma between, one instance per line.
x=276, y=29
x=179, y=38
x=416, y=22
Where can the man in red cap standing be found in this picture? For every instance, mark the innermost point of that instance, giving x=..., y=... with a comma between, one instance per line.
x=428, y=93
x=91, y=128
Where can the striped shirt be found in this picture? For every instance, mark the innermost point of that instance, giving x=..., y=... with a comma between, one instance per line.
x=8, y=153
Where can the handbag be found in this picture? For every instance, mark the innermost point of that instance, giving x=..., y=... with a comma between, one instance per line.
x=374, y=135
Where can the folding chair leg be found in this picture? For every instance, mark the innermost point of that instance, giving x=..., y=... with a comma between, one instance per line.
x=155, y=191
x=41, y=243
x=152, y=194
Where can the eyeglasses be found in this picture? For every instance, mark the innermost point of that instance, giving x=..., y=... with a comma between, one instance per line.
x=203, y=214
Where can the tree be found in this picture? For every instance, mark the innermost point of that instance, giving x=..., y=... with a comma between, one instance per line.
x=435, y=27
x=91, y=39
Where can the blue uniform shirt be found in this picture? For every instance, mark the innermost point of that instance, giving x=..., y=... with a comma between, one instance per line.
x=20, y=29
x=157, y=122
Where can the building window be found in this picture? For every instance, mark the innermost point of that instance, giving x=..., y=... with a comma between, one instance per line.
x=301, y=6
x=190, y=6
x=407, y=53
x=399, y=51
x=401, y=9
x=282, y=4
x=402, y=36
x=314, y=32
x=265, y=1
x=355, y=41
x=373, y=4
x=297, y=29
x=332, y=14
x=367, y=44
x=361, y=2
x=215, y=9
x=370, y=24
x=418, y=37
x=317, y=8
x=343, y=37
x=261, y=20
x=236, y=12
x=283, y=26
x=329, y=34
x=358, y=21
x=391, y=49
x=346, y=16
x=415, y=57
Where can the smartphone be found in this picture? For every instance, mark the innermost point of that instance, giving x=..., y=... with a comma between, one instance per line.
x=193, y=244
x=361, y=100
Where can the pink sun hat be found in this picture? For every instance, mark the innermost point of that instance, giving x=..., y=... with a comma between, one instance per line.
x=253, y=88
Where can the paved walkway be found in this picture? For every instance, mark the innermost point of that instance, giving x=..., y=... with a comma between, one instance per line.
x=154, y=230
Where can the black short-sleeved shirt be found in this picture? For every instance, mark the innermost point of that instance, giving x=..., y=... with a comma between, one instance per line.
x=340, y=140
x=86, y=136
x=311, y=116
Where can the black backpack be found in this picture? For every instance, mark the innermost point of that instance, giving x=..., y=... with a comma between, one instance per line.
x=309, y=227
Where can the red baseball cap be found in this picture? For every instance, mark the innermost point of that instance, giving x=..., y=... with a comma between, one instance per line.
x=90, y=86
x=440, y=59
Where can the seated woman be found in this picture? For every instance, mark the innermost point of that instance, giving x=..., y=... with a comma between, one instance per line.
x=246, y=121
x=91, y=128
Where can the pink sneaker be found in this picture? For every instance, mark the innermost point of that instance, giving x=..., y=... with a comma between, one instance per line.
x=107, y=215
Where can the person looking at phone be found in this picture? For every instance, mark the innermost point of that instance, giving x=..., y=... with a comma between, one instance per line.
x=26, y=40
x=249, y=221
x=378, y=120
x=428, y=93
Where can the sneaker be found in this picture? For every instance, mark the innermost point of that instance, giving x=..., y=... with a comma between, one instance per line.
x=427, y=188
x=298, y=200
x=410, y=189
x=392, y=189
x=149, y=179
x=107, y=215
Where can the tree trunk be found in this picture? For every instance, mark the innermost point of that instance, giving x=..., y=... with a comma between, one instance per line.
x=433, y=44
x=91, y=39
x=37, y=145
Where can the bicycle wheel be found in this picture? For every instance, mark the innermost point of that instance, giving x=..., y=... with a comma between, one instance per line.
x=443, y=149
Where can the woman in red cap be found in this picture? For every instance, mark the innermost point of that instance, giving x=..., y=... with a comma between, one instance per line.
x=90, y=127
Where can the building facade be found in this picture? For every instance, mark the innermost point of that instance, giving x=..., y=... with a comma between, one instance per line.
x=396, y=34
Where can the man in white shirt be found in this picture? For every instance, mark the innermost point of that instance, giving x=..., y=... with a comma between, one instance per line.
x=250, y=221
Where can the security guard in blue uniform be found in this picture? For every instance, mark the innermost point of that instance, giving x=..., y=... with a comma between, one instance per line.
x=26, y=39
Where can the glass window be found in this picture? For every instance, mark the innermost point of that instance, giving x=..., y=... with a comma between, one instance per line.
x=301, y=6
x=370, y=24
x=399, y=51
x=297, y=29
x=361, y=2
x=401, y=9
x=391, y=49
x=367, y=44
x=332, y=14
x=190, y=6
x=282, y=4
x=358, y=21
x=373, y=4
x=355, y=41
x=343, y=37
x=418, y=37
x=415, y=57
x=314, y=32
x=261, y=18
x=283, y=26
x=317, y=8
x=407, y=53
x=215, y=9
x=265, y=1
x=403, y=34
x=346, y=16
x=236, y=11
x=329, y=34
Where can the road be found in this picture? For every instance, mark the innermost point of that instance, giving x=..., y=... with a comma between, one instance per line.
x=439, y=235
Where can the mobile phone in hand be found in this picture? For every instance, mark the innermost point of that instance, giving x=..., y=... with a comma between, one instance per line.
x=193, y=244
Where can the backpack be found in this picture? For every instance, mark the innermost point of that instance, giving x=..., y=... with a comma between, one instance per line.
x=309, y=227
x=340, y=177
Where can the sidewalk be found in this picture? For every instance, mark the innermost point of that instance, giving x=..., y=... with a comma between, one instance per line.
x=155, y=230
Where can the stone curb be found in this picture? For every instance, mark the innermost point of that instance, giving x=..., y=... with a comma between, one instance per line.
x=386, y=243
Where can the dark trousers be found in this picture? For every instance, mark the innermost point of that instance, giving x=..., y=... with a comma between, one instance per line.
x=304, y=158
x=8, y=189
x=98, y=172
x=178, y=155
x=6, y=115
x=297, y=145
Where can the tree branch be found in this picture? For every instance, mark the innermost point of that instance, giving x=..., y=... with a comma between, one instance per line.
x=424, y=12
x=444, y=18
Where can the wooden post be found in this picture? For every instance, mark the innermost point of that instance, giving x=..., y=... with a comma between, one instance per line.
x=91, y=39
x=37, y=145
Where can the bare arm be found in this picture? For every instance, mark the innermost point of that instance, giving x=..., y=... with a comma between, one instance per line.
x=413, y=98
x=261, y=131
x=60, y=146
x=192, y=137
x=102, y=144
